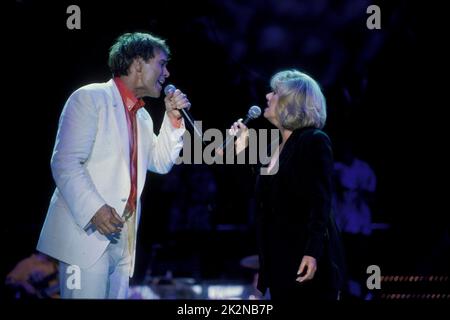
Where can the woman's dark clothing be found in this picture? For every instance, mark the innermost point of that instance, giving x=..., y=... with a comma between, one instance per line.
x=295, y=218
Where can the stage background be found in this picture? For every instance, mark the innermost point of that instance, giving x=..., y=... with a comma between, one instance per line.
x=383, y=93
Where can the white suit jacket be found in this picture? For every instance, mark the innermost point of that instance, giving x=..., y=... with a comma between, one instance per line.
x=91, y=167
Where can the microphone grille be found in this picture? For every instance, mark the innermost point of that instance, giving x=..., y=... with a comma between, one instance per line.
x=169, y=89
x=254, y=112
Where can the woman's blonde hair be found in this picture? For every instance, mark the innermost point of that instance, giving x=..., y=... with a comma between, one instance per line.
x=301, y=103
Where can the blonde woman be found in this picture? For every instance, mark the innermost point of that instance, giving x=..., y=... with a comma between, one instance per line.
x=299, y=246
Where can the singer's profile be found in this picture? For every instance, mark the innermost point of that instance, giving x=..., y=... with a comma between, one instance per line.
x=300, y=253
x=104, y=145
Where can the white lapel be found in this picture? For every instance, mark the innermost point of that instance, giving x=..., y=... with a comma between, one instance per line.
x=121, y=120
x=142, y=150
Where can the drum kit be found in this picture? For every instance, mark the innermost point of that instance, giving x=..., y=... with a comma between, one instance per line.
x=171, y=288
x=176, y=288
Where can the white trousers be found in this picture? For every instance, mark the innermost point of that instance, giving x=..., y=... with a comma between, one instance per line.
x=108, y=278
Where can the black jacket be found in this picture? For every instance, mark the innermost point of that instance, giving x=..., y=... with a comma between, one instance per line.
x=294, y=214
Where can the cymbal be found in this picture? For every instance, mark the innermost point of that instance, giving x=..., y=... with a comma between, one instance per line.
x=251, y=262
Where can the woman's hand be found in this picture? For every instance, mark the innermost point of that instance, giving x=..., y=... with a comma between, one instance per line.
x=307, y=269
x=239, y=130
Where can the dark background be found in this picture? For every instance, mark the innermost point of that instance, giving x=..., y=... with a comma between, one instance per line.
x=384, y=94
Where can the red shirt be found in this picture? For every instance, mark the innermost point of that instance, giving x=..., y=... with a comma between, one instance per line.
x=132, y=105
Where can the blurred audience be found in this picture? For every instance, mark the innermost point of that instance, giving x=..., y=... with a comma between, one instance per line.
x=34, y=277
x=355, y=184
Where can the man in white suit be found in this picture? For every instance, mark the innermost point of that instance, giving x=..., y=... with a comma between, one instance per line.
x=104, y=146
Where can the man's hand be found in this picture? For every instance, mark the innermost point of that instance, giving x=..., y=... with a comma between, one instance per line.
x=107, y=221
x=308, y=266
x=176, y=101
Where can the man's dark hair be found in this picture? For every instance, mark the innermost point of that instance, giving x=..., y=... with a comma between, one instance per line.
x=130, y=46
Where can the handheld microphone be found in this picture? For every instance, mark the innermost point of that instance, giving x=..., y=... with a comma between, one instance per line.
x=253, y=113
x=170, y=88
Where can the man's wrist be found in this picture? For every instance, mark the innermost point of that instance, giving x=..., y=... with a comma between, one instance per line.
x=174, y=120
x=172, y=115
